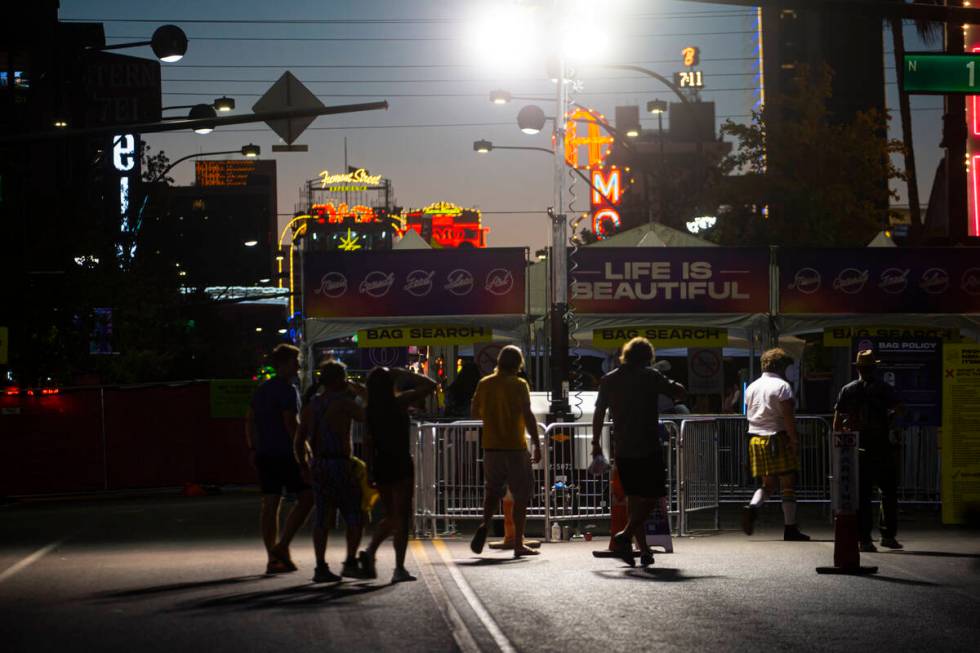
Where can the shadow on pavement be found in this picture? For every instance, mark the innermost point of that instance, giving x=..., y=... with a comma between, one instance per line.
x=487, y=562
x=902, y=581
x=936, y=554
x=179, y=587
x=648, y=574
x=298, y=596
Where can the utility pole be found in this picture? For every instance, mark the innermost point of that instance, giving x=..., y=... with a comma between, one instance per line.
x=954, y=140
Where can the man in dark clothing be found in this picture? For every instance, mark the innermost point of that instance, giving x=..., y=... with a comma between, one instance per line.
x=867, y=406
x=630, y=394
x=270, y=426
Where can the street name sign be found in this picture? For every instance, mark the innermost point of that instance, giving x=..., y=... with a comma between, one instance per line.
x=936, y=73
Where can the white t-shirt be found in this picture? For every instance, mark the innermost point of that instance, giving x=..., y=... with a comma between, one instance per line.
x=762, y=404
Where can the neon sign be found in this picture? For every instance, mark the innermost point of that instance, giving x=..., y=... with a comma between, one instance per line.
x=597, y=142
x=349, y=243
x=607, y=193
x=125, y=164
x=357, y=177
x=444, y=224
x=691, y=57
x=338, y=214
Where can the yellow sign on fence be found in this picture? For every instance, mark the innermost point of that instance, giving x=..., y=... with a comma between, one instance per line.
x=661, y=336
x=960, y=432
x=430, y=335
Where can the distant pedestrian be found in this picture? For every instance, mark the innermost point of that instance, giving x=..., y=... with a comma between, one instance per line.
x=630, y=393
x=460, y=391
x=388, y=451
x=868, y=406
x=270, y=426
x=774, y=445
x=324, y=442
x=503, y=401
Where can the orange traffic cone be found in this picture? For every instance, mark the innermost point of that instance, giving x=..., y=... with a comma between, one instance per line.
x=619, y=514
x=508, y=541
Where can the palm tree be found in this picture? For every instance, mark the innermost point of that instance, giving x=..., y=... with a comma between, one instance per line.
x=928, y=31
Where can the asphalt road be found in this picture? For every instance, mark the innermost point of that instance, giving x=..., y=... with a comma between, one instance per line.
x=174, y=574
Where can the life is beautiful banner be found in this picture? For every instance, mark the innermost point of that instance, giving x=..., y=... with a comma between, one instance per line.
x=669, y=280
x=879, y=280
x=415, y=282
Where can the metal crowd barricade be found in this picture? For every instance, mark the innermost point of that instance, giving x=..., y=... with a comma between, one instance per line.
x=449, y=477
x=697, y=470
x=735, y=481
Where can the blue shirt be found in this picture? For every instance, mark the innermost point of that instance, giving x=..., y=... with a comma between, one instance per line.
x=271, y=399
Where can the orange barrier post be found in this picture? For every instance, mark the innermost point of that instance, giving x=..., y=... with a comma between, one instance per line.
x=847, y=556
x=508, y=541
x=619, y=514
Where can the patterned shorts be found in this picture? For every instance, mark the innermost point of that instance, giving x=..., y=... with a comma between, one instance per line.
x=769, y=455
x=336, y=488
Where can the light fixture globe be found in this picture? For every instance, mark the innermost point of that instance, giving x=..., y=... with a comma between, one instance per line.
x=251, y=150
x=169, y=43
x=482, y=146
x=657, y=106
x=224, y=103
x=531, y=119
x=199, y=111
x=500, y=96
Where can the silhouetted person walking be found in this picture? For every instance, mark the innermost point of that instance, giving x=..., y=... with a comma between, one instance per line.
x=324, y=440
x=503, y=401
x=388, y=449
x=270, y=426
x=630, y=393
x=774, y=445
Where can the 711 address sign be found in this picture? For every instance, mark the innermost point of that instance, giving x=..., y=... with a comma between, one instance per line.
x=942, y=74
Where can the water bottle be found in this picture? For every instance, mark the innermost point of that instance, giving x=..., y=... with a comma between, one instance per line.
x=555, y=532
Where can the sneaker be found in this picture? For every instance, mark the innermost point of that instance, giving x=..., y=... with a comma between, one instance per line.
x=623, y=549
x=891, y=543
x=749, y=514
x=324, y=575
x=646, y=558
x=279, y=567
x=522, y=551
x=479, y=539
x=793, y=534
x=352, y=570
x=367, y=564
x=401, y=575
x=868, y=547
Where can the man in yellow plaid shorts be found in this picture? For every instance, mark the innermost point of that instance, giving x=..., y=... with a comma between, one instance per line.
x=774, y=446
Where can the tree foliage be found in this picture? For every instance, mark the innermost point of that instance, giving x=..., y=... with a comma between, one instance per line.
x=798, y=178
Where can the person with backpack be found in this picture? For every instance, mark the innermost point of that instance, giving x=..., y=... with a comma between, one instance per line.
x=388, y=449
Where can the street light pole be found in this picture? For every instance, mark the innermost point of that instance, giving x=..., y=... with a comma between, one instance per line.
x=559, y=262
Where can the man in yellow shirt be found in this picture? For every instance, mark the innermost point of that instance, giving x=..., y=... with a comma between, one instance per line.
x=503, y=401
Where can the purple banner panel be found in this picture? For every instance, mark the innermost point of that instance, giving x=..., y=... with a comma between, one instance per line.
x=669, y=280
x=416, y=282
x=879, y=280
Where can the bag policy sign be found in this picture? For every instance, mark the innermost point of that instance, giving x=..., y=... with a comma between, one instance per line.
x=841, y=336
x=405, y=336
x=670, y=280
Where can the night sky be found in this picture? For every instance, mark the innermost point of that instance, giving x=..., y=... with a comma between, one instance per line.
x=422, y=62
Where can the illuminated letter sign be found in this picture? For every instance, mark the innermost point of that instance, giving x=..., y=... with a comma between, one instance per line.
x=608, y=188
x=359, y=177
x=692, y=56
x=125, y=165
x=598, y=142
